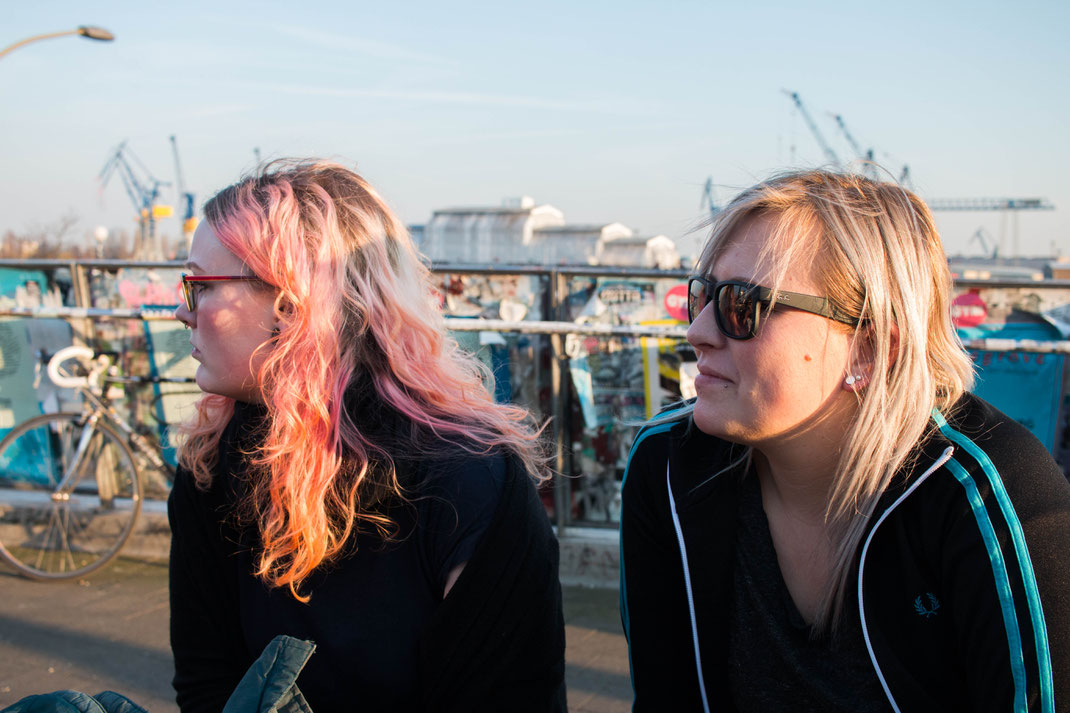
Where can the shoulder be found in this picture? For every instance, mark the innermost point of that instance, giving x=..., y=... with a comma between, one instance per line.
x=1000, y=511
x=461, y=476
x=457, y=495
x=672, y=442
x=997, y=452
x=482, y=509
x=655, y=440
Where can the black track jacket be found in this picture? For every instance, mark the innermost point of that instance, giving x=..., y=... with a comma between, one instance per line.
x=963, y=577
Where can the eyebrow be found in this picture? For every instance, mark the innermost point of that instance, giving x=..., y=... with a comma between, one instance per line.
x=190, y=265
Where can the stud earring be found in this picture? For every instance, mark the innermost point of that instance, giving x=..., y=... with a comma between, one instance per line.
x=852, y=378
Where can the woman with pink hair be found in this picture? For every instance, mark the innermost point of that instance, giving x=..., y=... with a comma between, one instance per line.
x=347, y=478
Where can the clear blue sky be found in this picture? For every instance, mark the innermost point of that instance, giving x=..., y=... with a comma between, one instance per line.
x=611, y=111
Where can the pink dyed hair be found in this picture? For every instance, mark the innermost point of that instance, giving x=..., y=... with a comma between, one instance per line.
x=355, y=302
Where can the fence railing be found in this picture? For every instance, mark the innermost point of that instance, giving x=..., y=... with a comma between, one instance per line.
x=554, y=308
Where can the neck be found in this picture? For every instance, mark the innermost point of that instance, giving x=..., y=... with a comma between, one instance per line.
x=797, y=470
x=798, y=486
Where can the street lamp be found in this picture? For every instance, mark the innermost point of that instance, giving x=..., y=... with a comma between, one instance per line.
x=101, y=235
x=93, y=33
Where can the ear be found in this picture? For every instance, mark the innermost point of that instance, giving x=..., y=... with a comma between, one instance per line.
x=863, y=362
x=283, y=313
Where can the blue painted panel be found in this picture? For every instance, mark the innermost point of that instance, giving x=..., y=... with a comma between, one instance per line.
x=1025, y=386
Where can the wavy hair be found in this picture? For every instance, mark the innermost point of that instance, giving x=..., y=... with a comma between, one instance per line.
x=357, y=321
x=875, y=251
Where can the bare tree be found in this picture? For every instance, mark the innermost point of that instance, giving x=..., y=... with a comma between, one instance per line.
x=42, y=240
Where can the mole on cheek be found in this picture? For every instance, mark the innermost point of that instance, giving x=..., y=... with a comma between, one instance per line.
x=807, y=357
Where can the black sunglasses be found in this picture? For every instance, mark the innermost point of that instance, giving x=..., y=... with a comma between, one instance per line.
x=190, y=294
x=738, y=305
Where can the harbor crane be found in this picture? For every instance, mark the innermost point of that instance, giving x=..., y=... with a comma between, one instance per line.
x=144, y=193
x=709, y=198
x=904, y=178
x=869, y=167
x=866, y=157
x=1008, y=207
x=975, y=204
x=830, y=155
x=979, y=236
x=185, y=198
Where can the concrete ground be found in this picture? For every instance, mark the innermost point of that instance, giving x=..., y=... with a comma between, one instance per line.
x=109, y=632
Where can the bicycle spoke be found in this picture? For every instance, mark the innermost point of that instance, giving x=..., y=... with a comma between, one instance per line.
x=71, y=526
x=65, y=544
x=48, y=537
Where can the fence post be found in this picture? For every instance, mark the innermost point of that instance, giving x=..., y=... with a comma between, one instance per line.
x=559, y=374
x=84, y=329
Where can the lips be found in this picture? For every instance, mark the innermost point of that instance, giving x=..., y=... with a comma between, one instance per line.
x=712, y=373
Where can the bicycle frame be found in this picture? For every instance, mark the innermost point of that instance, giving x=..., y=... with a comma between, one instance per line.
x=72, y=482
x=99, y=406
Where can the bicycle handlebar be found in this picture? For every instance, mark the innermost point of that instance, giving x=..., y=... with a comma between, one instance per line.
x=60, y=377
x=96, y=371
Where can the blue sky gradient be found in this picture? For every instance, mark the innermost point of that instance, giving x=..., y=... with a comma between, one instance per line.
x=609, y=111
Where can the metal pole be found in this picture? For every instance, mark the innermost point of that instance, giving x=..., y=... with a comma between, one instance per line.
x=559, y=374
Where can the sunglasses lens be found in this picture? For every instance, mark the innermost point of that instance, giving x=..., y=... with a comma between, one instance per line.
x=736, y=311
x=696, y=299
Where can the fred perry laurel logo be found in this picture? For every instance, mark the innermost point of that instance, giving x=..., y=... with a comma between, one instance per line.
x=928, y=607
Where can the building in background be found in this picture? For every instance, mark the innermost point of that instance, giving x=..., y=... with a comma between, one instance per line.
x=521, y=232
x=500, y=234
x=639, y=251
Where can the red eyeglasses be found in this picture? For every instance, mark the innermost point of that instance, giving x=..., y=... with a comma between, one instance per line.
x=189, y=285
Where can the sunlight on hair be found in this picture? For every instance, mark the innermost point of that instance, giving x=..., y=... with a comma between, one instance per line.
x=358, y=325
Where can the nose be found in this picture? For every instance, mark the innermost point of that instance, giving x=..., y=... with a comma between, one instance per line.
x=183, y=315
x=703, y=332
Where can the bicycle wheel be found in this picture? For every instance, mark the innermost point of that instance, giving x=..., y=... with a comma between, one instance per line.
x=65, y=512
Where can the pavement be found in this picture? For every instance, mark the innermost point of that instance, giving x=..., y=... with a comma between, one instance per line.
x=110, y=631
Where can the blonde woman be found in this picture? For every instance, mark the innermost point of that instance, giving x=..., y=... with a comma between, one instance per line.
x=835, y=523
x=347, y=478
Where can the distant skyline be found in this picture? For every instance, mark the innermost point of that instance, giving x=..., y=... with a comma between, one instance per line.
x=610, y=112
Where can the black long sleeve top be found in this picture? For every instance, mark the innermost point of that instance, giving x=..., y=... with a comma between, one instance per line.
x=386, y=639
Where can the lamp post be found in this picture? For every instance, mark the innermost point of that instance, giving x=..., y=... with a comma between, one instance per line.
x=93, y=33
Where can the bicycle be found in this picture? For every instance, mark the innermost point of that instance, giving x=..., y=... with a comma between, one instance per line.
x=70, y=482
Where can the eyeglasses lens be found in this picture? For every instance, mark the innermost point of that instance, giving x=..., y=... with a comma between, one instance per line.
x=187, y=294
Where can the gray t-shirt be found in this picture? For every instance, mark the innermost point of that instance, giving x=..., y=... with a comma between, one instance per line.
x=774, y=664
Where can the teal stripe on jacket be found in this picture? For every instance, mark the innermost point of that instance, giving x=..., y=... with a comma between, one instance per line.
x=1025, y=564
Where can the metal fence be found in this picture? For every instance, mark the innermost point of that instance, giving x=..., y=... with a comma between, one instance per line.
x=592, y=350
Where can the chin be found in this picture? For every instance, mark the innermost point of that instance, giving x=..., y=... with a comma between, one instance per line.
x=202, y=379
x=210, y=385
x=709, y=420
x=714, y=421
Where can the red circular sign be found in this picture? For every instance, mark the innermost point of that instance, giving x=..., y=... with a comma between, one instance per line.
x=676, y=302
x=968, y=310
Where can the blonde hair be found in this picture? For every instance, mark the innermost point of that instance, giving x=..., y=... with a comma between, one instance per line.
x=875, y=252
x=358, y=322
